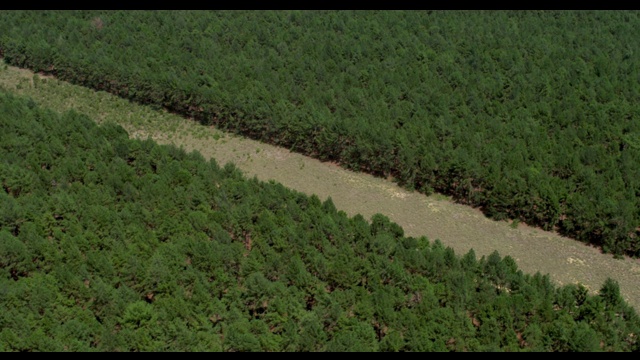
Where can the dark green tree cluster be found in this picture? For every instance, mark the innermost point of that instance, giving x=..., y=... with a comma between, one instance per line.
x=112, y=244
x=529, y=115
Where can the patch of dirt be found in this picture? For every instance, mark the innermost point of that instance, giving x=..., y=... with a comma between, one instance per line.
x=459, y=226
x=436, y=216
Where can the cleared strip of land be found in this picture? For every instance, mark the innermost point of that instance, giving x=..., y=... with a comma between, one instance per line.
x=458, y=226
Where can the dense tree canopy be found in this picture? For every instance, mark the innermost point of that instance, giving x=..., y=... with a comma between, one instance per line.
x=530, y=115
x=112, y=244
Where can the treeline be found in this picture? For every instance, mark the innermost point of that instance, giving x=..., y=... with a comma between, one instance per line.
x=112, y=244
x=529, y=115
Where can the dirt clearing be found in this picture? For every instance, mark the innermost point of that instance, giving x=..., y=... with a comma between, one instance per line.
x=437, y=217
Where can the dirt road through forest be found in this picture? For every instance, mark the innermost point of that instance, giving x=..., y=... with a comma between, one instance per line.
x=458, y=226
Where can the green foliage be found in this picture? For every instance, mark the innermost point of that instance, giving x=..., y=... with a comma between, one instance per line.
x=124, y=245
x=529, y=115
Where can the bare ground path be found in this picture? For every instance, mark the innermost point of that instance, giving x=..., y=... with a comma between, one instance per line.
x=458, y=226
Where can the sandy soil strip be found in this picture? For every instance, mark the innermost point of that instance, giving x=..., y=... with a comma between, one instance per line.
x=458, y=226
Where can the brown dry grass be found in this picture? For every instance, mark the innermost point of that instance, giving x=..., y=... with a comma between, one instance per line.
x=458, y=226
